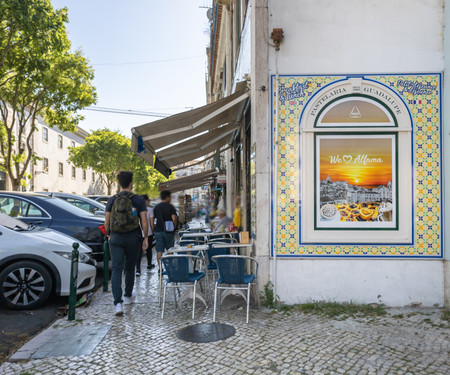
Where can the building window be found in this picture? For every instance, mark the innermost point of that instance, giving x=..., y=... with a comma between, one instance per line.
x=74, y=172
x=61, y=169
x=73, y=143
x=93, y=177
x=355, y=187
x=84, y=175
x=45, y=165
x=60, y=141
x=45, y=134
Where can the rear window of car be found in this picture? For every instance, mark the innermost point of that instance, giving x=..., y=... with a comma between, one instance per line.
x=66, y=206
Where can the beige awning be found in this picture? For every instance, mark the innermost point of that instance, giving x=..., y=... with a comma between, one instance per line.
x=189, y=135
x=189, y=182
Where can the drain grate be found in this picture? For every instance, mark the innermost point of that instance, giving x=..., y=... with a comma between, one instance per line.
x=206, y=332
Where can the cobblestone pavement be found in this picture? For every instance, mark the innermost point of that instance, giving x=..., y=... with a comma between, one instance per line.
x=406, y=341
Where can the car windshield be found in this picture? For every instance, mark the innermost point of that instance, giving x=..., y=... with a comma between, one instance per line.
x=68, y=207
x=12, y=223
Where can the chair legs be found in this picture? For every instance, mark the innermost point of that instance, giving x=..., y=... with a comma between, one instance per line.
x=160, y=286
x=248, y=300
x=164, y=301
x=193, y=299
x=215, y=302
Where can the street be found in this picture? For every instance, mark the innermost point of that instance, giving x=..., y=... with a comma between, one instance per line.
x=409, y=340
x=17, y=326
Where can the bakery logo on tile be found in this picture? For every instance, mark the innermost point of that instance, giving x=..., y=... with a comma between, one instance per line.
x=297, y=90
x=416, y=88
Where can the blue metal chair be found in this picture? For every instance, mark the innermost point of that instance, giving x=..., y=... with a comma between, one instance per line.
x=219, y=235
x=232, y=274
x=224, y=240
x=177, y=268
x=190, y=242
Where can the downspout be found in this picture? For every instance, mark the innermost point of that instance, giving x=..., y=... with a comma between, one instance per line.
x=275, y=150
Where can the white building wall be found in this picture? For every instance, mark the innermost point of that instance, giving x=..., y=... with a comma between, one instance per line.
x=353, y=36
x=51, y=180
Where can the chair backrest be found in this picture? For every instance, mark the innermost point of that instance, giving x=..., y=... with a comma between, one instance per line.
x=217, y=251
x=223, y=239
x=190, y=242
x=219, y=235
x=177, y=267
x=231, y=269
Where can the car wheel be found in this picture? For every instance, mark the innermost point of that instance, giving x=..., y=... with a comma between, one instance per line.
x=24, y=285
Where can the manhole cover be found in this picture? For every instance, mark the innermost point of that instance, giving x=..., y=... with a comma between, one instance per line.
x=206, y=332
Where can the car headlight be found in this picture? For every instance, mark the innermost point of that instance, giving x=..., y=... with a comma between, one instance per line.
x=82, y=257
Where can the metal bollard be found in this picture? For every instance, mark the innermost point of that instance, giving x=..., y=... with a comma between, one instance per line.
x=105, y=264
x=73, y=281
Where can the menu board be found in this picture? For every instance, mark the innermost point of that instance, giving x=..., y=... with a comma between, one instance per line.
x=355, y=181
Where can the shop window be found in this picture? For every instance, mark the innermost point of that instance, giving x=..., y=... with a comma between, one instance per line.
x=356, y=174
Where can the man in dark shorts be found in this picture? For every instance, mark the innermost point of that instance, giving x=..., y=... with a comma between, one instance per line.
x=124, y=211
x=166, y=222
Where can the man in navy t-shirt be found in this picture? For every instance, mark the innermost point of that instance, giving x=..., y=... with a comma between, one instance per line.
x=166, y=222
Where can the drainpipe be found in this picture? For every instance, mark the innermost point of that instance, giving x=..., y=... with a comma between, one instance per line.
x=275, y=151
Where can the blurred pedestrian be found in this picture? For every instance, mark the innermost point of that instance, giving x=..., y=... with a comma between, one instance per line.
x=224, y=220
x=237, y=215
x=149, y=252
x=124, y=211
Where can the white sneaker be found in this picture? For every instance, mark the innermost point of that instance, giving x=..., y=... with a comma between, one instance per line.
x=129, y=300
x=119, y=309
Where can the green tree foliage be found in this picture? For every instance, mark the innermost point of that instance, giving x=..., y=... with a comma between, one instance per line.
x=108, y=152
x=39, y=77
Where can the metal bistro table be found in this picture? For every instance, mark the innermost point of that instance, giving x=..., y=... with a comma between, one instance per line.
x=236, y=246
x=184, y=249
x=208, y=234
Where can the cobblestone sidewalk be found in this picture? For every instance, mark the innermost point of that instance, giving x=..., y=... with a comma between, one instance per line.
x=405, y=341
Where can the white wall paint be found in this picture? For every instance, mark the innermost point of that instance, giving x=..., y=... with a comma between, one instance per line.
x=398, y=282
x=354, y=36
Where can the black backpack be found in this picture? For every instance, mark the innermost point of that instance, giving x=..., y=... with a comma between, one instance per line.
x=122, y=219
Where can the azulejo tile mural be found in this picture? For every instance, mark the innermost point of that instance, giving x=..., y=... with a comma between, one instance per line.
x=421, y=93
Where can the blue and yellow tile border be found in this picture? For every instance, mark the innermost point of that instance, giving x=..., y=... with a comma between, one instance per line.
x=425, y=112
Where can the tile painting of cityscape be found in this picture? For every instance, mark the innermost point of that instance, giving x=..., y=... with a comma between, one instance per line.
x=357, y=181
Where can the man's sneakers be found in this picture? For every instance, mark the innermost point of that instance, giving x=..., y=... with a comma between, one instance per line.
x=129, y=300
x=150, y=267
x=138, y=273
x=118, y=309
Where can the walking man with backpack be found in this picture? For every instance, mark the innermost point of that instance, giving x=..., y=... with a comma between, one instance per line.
x=166, y=222
x=123, y=213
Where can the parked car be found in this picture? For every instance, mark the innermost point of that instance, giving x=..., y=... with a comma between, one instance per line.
x=100, y=198
x=56, y=214
x=36, y=261
x=85, y=203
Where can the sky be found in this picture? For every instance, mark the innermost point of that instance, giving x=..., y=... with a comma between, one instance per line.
x=343, y=160
x=118, y=36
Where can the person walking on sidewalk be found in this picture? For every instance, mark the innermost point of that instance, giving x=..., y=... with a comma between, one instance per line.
x=166, y=222
x=123, y=213
x=149, y=252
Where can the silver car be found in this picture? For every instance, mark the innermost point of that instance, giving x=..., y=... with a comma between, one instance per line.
x=36, y=261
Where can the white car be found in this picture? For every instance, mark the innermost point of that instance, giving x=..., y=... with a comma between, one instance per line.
x=36, y=261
